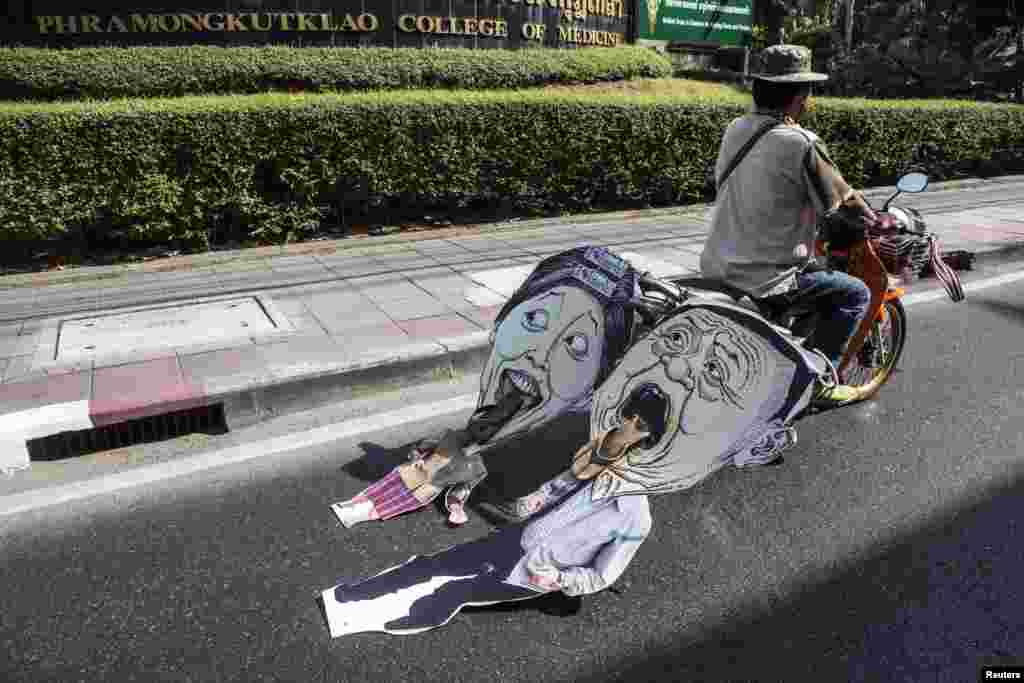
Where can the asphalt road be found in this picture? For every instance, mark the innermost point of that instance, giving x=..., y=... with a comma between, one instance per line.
x=887, y=547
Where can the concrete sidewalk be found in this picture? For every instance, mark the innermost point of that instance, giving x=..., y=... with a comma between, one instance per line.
x=275, y=330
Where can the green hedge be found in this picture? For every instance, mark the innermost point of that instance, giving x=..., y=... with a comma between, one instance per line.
x=276, y=167
x=111, y=72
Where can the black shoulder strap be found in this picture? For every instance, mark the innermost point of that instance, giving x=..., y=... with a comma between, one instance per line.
x=758, y=134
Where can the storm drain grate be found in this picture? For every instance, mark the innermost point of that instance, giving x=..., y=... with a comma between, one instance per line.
x=205, y=419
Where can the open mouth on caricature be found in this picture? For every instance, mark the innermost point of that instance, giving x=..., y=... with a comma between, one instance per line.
x=652, y=405
x=518, y=382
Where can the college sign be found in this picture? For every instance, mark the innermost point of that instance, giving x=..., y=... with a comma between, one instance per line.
x=719, y=22
x=392, y=23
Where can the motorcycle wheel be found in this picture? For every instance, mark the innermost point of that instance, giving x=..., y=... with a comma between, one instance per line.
x=872, y=367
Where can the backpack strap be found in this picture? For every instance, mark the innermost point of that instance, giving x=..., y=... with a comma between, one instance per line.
x=749, y=145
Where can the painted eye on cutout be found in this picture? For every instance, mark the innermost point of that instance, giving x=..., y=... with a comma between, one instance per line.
x=578, y=346
x=536, y=321
x=680, y=338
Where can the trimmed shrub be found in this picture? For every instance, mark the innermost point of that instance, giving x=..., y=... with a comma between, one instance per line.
x=195, y=170
x=114, y=72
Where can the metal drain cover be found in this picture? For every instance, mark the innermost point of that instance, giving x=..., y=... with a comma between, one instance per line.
x=162, y=328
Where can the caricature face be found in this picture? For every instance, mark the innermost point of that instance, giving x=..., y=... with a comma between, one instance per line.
x=548, y=347
x=698, y=381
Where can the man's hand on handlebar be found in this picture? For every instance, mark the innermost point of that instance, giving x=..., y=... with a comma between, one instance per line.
x=856, y=200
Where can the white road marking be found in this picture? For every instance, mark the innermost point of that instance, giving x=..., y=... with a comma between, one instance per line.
x=25, y=425
x=66, y=493
x=969, y=287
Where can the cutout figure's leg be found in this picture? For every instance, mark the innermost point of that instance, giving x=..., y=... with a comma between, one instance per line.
x=439, y=607
x=384, y=499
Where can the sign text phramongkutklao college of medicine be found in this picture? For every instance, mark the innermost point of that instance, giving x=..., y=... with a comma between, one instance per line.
x=395, y=23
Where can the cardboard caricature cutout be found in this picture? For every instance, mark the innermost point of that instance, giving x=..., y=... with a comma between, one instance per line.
x=556, y=339
x=714, y=384
x=579, y=546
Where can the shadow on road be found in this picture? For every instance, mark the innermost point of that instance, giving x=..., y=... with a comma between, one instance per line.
x=1012, y=312
x=935, y=605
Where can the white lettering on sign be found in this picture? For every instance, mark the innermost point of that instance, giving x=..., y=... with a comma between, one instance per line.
x=707, y=7
x=675, y=21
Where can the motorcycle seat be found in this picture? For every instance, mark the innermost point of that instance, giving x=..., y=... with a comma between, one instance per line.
x=717, y=289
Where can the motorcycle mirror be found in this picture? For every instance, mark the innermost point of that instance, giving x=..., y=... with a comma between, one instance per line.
x=912, y=182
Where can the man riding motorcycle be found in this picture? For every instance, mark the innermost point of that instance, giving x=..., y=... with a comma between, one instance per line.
x=774, y=178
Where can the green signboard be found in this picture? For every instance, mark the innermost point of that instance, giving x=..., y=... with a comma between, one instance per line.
x=718, y=22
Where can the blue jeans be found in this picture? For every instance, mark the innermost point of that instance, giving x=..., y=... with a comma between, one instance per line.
x=841, y=302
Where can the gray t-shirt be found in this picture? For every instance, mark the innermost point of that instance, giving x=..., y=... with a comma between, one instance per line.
x=763, y=227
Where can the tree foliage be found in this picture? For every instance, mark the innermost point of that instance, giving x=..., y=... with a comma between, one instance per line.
x=910, y=48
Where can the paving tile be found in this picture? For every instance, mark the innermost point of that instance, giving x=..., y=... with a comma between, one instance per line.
x=391, y=291
x=18, y=367
x=304, y=356
x=226, y=370
x=505, y=280
x=20, y=345
x=305, y=326
x=418, y=307
x=11, y=330
x=483, y=316
x=333, y=286
x=431, y=272
x=71, y=386
x=372, y=336
x=482, y=296
x=290, y=304
x=453, y=283
x=378, y=280
x=342, y=321
x=436, y=327
x=343, y=316
x=221, y=344
x=138, y=390
x=132, y=357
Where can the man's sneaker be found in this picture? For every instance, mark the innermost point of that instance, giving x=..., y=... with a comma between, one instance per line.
x=835, y=396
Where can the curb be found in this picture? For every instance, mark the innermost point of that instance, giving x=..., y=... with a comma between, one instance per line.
x=257, y=402
x=254, y=404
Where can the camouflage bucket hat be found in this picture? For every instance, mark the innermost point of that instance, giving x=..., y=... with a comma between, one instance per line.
x=788, y=64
